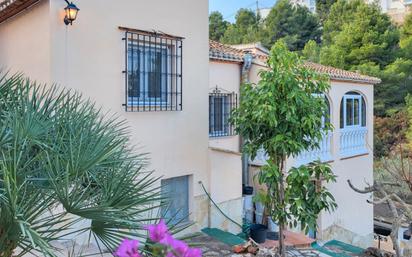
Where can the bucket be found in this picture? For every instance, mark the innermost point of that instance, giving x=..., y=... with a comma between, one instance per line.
x=258, y=232
x=259, y=217
x=272, y=226
x=247, y=190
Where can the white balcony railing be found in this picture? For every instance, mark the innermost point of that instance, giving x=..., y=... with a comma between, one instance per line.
x=323, y=153
x=353, y=142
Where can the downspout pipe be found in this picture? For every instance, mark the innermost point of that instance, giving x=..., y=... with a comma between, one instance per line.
x=245, y=78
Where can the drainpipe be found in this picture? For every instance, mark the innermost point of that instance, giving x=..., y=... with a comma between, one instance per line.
x=247, y=63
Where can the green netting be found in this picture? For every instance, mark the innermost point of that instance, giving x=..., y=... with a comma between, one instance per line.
x=223, y=236
x=337, y=248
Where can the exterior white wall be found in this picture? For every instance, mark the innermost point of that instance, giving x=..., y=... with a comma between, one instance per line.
x=353, y=213
x=176, y=141
x=225, y=167
x=226, y=189
x=352, y=222
x=226, y=76
x=25, y=43
x=90, y=57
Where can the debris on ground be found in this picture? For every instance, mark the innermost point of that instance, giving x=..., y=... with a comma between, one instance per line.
x=375, y=252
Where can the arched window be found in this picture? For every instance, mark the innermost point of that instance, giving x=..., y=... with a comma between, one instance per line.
x=326, y=116
x=352, y=111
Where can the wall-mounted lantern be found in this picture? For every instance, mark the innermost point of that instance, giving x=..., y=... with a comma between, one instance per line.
x=71, y=11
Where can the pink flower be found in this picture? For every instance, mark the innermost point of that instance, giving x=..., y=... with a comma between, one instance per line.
x=158, y=233
x=170, y=254
x=193, y=252
x=179, y=247
x=128, y=248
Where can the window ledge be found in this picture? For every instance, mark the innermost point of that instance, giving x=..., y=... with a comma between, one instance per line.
x=353, y=156
x=217, y=149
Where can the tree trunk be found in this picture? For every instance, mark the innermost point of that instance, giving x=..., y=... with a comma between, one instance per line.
x=6, y=246
x=282, y=250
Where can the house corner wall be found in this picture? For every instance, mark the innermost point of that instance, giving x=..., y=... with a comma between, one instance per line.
x=25, y=43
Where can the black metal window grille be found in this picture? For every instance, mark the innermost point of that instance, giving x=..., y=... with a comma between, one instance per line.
x=221, y=105
x=153, y=71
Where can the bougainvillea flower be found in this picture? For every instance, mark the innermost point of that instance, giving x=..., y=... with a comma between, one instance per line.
x=158, y=233
x=179, y=247
x=128, y=248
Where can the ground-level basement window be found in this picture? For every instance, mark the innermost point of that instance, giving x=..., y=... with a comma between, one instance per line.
x=175, y=191
x=221, y=105
x=153, y=74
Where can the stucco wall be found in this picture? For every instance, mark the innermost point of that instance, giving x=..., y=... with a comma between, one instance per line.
x=90, y=57
x=25, y=43
x=95, y=58
x=353, y=213
x=225, y=189
x=226, y=76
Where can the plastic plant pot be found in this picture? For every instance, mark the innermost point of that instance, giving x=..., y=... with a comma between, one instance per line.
x=258, y=233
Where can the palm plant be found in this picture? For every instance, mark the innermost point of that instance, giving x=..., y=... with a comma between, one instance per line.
x=67, y=169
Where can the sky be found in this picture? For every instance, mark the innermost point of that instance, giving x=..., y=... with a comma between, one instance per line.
x=229, y=7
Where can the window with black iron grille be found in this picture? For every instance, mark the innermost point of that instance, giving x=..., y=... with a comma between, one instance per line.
x=153, y=74
x=221, y=105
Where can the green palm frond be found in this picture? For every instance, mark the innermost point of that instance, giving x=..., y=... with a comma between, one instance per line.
x=64, y=164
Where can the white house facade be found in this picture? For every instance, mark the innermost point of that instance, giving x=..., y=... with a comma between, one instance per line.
x=150, y=62
x=140, y=60
x=348, y=148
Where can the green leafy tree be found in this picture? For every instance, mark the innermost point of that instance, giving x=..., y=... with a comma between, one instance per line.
x=356, y=33
x=67, y=169
x=296, y=25
x=245, y=29
x=323, y=8
x=311, y=51
x=217, y=26
x=283, y=114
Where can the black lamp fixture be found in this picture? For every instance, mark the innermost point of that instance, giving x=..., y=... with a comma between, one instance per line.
x=71, y=11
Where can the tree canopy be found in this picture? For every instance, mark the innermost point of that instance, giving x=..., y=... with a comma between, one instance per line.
x=296, y=25
x=358, y=34
x=217, y=26
x=282, y=114
x=245, y=30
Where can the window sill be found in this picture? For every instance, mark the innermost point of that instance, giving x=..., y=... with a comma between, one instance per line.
x=220, y=136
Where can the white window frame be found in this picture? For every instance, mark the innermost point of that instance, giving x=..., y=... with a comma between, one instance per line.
x=224, y=131
x=144, y=99
x=359, y=98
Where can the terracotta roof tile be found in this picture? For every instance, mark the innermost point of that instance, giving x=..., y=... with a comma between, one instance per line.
x=339, y=74
x=224, y=52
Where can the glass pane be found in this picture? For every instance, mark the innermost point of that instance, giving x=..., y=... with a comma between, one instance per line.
x=133, y=77
x=341, y=114
x=349, y=112
x=356, y=114
x=218, y=114
x=363, y=113
x=210, y=114
x=155, y=74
